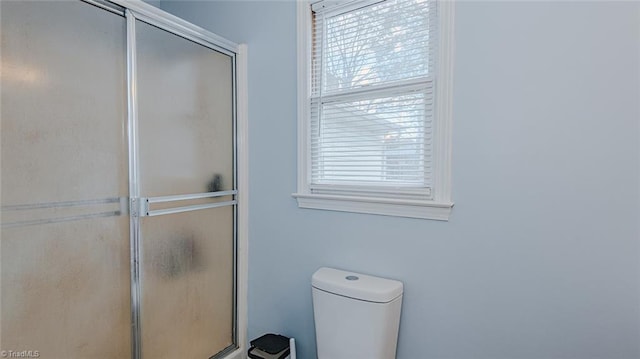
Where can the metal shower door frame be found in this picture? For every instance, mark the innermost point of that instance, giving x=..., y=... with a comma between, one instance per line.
x=139, y=206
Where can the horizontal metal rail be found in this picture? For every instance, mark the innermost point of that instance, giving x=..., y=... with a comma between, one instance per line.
x=89, y=202
x=196, y=207
x=122, y=201
x=60, y=219
x=185, y=197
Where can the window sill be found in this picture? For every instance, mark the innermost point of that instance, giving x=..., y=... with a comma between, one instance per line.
x=379, y=206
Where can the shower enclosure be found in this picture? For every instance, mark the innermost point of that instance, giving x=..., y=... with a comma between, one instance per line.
x=119, y=183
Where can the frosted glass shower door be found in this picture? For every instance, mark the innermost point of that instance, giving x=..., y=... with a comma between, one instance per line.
x=187, y=181
x=65, y=272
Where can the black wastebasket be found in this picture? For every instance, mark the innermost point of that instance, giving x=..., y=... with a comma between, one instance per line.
x=269, y=346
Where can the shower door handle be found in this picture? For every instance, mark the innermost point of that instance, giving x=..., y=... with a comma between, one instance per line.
x=143, y=204
x=49, y=212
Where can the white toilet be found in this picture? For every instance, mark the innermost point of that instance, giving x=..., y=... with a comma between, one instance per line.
x=356, y=316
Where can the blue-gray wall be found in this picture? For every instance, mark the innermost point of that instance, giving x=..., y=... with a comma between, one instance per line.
x=155, y=3
x=541, y=256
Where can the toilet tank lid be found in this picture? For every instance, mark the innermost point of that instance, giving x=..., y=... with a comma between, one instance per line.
x=355, y=285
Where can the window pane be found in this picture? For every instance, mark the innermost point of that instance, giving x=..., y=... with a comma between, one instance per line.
x=381, y=141
x=380, y=43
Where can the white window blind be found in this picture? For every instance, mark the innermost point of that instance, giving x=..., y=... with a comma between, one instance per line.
x=372, y=97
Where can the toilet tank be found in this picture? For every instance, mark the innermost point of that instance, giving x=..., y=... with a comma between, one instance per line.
x=356, y=316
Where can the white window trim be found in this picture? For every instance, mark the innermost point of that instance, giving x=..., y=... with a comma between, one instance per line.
x=439, y=208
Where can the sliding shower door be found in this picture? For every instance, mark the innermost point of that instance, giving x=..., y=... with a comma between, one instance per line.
x=65, y=230
x=119, y=188
x=186, y=175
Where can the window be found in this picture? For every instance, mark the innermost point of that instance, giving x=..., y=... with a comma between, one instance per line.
x=375, y=106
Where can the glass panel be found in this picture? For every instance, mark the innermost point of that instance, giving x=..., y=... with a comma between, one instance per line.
x=187, y=284
x=65, y=289
x=186, y=146
x=385, y=42
x=63, y=102
x=375, y=141
x=185, y=115
x=65, y=273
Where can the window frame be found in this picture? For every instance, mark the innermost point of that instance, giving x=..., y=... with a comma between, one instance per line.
x=367, y=200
